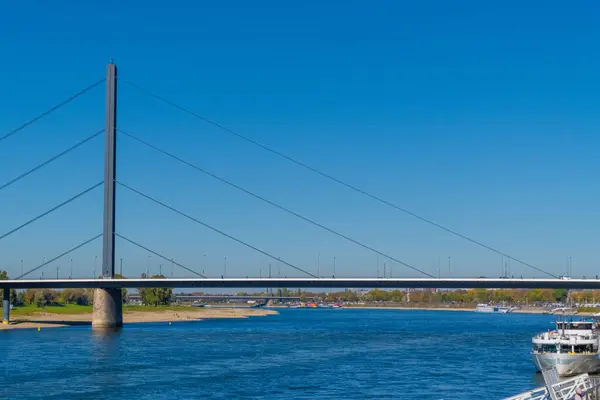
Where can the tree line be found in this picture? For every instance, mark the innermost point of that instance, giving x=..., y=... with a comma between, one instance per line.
x=467, y=296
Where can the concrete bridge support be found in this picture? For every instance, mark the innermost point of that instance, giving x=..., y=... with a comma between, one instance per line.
x=6, y=307
x=108, y=309
x=108, y=305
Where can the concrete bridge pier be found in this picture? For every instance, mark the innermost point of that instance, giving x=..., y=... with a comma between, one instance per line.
x=107, y=309
x=108, y=304
x=6, y=307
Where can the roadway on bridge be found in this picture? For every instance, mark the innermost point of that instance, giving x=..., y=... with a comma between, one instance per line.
x=323, y=283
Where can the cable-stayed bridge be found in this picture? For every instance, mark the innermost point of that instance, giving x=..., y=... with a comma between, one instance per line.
x=107, y=300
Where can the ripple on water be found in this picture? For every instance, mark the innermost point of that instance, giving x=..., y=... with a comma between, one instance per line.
x=299, y=354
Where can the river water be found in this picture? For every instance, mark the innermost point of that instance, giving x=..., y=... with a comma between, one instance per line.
x=298, y=354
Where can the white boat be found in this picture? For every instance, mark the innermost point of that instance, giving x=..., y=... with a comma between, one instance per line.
x=487, y=308
x=564, y=310
x=572, y=348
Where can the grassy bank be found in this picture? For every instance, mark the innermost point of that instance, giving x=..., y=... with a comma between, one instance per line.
x=591, y=310
x=72, y=309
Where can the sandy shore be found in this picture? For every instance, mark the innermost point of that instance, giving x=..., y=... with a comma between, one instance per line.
x=526, y=310
x=366, y=307
x=49, y=320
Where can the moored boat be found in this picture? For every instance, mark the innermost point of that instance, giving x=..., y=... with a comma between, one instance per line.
x=488, y=308
x=572, y=348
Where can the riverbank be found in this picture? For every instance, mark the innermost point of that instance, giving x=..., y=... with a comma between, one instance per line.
x=523, y=310
x=54, y=317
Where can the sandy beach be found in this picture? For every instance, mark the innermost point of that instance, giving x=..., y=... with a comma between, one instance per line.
x=524, y=310
x=49, y=320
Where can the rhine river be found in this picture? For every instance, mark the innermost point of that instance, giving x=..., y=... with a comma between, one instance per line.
x=299, y=354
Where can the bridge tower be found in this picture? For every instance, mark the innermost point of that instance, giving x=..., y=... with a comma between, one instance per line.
x=108, y=303
x=6, y=306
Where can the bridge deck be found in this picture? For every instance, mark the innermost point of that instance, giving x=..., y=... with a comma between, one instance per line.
x=444, y=283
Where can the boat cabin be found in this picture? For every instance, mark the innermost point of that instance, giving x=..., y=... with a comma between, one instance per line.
x=574, y=327
x=564, y=348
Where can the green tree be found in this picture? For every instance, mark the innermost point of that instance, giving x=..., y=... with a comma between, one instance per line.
x=29, y=295
x=560, y=295
x=156, y=296
x=39, y=300
x=351, y=296
x=45, y=297
x=14, y=299
x=535, y=295
x=482, y=295
x=74, y=296
x=396, y=296
x=21, y=299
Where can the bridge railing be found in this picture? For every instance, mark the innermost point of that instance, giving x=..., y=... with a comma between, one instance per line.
x=564, y=390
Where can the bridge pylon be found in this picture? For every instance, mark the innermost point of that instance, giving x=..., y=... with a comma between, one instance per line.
x=6, y=307
x=108, y=303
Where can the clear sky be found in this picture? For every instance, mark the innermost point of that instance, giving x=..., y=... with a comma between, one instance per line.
x=482, y=116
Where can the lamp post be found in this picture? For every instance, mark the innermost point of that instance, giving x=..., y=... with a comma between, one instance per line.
x=318, y=264
x=334, y=266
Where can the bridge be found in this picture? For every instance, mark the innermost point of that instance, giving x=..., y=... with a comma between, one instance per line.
x=320, y=283
x=107, y=303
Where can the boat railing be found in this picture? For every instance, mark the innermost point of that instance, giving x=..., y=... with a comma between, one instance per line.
x=563, y=390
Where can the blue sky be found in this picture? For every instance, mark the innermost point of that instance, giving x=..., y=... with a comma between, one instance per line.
x=482, y=117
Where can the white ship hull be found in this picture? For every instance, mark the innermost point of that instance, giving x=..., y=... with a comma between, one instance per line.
x=493, y=309
x=568, y=364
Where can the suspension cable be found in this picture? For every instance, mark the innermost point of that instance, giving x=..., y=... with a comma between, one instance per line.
x=231, y=184
x=159, y=255
x=214, y=229
x=49, y=111
x=51, y=159
x=336, y=180
x=64, y=203
x=59, y=256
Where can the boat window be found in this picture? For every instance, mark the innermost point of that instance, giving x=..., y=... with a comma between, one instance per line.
x=583, y=348
x=546, y=348
x=565, y=348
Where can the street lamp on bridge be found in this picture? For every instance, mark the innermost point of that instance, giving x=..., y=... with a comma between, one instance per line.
x=318, y=264
x=334, y=266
